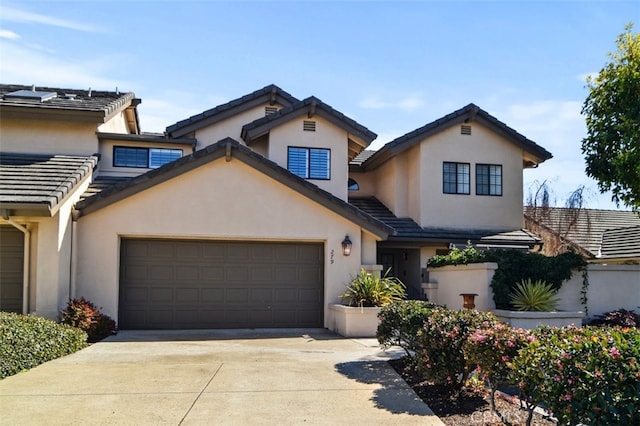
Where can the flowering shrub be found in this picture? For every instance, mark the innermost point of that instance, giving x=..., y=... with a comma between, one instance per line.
x=86, y=316
x=619, y=317
x=587, y=375
x=440, y=344
x=400, y=322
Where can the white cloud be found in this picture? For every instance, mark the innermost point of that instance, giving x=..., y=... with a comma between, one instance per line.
x=408, y=103
x=22, y=16
x=10, y=35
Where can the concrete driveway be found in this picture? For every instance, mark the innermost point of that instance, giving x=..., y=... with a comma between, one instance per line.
x=221, y=377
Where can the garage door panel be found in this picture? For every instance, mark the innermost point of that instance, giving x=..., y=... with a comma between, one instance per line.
x=214, y=284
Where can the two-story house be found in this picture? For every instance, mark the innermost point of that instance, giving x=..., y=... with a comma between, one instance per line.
x=256, y=213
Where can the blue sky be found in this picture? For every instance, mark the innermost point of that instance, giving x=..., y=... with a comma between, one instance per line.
x=391, y=66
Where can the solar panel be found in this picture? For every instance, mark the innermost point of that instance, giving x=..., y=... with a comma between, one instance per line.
x=31, y=94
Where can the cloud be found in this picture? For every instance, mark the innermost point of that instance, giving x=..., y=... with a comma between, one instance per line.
x=16, y=15
x=10, y=35
x=408, y=103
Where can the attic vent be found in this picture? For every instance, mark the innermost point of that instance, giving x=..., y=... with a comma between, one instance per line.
x=31, y=94
x=309, y=126
x=465, y=129
x=270, y=110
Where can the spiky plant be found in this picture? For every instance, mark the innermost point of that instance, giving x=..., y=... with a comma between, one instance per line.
x=534, y=296
x=367, y=289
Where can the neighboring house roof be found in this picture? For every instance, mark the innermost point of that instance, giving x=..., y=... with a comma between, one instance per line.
x=599, y=234
x=34, y=184
x=469, y=113
x=72, y=104
x=230, y=148
x=407, y=230
x=310, y=106
x=271, y=93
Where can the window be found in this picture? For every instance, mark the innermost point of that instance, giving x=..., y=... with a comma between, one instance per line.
x=455, y=178
x=352, y=185
x=310, y=163
x=150, y=158
x=488, y=179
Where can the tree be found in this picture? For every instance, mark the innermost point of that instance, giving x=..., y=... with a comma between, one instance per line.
x=612, y=114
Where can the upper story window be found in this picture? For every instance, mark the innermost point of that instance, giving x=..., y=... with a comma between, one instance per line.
x=309, y=163
x=455, y=178
x=352, y=185
x=150, y=158
x=488, y=179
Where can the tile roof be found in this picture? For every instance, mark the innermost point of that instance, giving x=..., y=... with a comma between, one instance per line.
x=33, y=182
x=311, y=106
x=102, y=196
x=471, y=113
x=406, y=229
x=271, y=93
x=100, y=103
x=601, y=233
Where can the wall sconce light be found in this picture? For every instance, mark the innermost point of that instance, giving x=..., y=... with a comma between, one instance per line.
x=346, y=245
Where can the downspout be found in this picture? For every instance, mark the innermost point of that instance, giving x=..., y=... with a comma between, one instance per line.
x=75, y=214
x=26, y=260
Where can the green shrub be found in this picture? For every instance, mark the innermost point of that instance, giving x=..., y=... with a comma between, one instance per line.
x=400, y=323
x=441, y=342
x=585, y=375
x=27, y=341
x=84, y=315
x=534, y=296
x=367, y=289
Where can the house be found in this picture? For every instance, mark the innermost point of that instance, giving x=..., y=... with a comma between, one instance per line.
x=601, y=236
x=255, y=213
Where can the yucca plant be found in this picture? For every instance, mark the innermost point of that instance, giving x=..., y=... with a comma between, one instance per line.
x=368, y=290
x=537, y=296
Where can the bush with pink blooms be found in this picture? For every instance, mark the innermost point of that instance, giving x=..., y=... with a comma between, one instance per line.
x=582, y=375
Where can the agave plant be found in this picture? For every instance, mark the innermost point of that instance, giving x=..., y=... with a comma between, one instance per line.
x=367, y=290
x=534, y=296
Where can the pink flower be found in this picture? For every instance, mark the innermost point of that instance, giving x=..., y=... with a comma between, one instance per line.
x=614, y=352
x=567, y=397
x=505, y=358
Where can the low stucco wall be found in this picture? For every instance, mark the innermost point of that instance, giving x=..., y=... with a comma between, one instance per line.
x=610, y=287
x=473, y=278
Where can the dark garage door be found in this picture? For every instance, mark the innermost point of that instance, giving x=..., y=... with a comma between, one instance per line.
x=11, y=269
x=180, y=284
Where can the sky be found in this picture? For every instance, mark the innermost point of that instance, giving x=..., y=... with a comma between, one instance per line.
x=392, y=66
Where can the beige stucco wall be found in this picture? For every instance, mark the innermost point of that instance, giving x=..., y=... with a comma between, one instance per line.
x=230, y=127
x=115, y=124
x=220, y=200
x=47, y=137
x=327, y=135
x=473, y=278
x=105, y=166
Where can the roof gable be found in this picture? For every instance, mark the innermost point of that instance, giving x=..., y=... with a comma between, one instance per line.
x=69, y=104
x=271, y=94
x=230, y=148
x=310, y=107
x=32, y=184
x=467, y=114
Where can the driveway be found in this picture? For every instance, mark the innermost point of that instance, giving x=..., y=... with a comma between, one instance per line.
x=221, y=377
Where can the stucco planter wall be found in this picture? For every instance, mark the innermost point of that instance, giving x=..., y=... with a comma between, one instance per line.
x=531, y=320
x=349, y=321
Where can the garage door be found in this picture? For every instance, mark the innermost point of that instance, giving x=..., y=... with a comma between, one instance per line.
x=11, y=269
x=179, y=284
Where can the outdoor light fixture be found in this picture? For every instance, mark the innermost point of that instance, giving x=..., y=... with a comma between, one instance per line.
x=346, y=245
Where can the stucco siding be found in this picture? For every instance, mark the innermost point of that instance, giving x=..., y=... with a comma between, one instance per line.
x=218, y=201
x=48, y=137
x=116, y=124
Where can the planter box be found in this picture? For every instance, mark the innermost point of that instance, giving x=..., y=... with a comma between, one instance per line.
x=531, y=320
x=351, y=321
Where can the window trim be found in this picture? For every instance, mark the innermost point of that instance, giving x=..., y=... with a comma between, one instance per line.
x=147, y=155
x=489, y=183
x=457, y=183
x=308, y=170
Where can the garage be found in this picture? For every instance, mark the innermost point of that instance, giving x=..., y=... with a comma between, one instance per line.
x=11, y=269
x=187, y=284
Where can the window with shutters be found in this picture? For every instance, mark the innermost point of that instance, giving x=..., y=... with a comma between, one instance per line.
x=309, y=163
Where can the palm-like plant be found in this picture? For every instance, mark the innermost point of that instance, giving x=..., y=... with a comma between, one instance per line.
x=534, y=296
x=367, y=290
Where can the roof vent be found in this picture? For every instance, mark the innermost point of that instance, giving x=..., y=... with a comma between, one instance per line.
x=70, y=96
x=270, y=110
x=309, y=126
x=465, y=129
x=31, y=94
